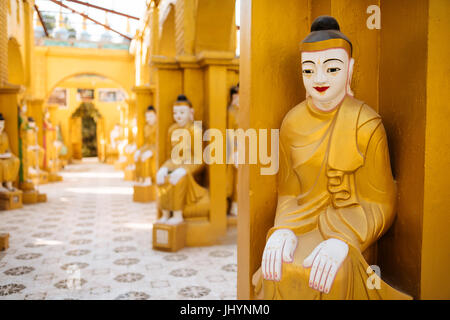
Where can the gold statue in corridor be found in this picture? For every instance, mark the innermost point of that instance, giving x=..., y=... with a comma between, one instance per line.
x=179, y=192
x=144, y=157
x=336, y=193
x=9, y=163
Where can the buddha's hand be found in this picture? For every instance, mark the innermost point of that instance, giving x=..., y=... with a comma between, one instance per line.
x=147, y=154
x=177, y=175
x=137, y=154
x=325, y=261
x=279, y=248
x=161, y=175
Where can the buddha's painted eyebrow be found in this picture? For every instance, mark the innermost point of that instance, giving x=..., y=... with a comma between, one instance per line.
x=333, y=59
x=308, y=61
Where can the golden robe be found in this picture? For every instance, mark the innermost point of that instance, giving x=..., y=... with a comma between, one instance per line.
x=9, y=168
x=35, y=156
x=187, y=195
x=335, y=181
x=51, y=152
x=146, y=168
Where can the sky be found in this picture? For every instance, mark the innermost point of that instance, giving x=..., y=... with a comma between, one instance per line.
x=131, y=7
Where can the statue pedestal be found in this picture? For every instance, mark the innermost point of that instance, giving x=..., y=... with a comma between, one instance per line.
x=232, y=221
x=11, y=200
x=54, y=177
x=130, y=175
x=169, y=237
x=39, y=178
x=144, y=193
x=4, y=241
x=30, y=196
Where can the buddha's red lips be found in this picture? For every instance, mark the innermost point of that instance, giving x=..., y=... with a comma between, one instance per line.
x=321, y=89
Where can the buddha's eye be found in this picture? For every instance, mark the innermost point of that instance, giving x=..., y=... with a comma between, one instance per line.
x=308, y=71
x=333, y=70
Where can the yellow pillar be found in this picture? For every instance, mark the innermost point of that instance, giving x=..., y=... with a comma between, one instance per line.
x=144, y=98
x=270, y=84
x=36, y=110
x=3, y=43
x=435, y=282
x=216, y=102
x=131, y=103
x=403, y=109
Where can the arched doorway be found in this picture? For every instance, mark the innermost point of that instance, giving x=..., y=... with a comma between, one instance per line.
x=103, y=98
x=87, y=127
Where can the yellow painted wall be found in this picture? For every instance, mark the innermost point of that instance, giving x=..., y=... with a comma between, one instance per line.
x=435, y=281
x=55, y=64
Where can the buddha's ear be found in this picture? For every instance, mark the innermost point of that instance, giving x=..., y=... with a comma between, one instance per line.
x=350, y=75
x=191, y=114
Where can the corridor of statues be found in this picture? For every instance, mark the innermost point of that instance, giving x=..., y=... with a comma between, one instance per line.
x=223, y=149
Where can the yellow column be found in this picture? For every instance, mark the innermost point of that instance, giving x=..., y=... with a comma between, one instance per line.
x=144, y=98
x=3, y=44
x=435, y=282
x=270, y=84
x=29, y=41
x=403, y=109
x=36, y=110
x=131, y=103
x=216, y=104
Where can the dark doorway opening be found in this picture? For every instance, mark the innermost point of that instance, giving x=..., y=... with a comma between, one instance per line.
x=87, y=116
x=89, y=136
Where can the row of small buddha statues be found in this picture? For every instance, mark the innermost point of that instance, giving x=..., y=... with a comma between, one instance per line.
x=34, y=164
x=180, y=188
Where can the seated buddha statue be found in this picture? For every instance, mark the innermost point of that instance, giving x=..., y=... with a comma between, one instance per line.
x=9, y=163
x=144, y=157
x=35, y=153
x=61, y=148
x=232, y=123
x=112, y=149
x=179, y=192
x=130, y=151
x=51, y=155
x=336, y=192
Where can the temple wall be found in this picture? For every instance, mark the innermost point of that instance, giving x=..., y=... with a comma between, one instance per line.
x=397, y=74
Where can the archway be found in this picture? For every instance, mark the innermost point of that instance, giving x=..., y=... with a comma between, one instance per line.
x=16, y=73
x=88, y=116
x=87, y=107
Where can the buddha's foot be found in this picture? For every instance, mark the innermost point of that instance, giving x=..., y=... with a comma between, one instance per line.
x=4, y=190
x=177, y=218
x=162, y=220
x=165, y=217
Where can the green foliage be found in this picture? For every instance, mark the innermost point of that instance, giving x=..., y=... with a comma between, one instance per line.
x=86, y=109
x=49, y=21
x=89, y=116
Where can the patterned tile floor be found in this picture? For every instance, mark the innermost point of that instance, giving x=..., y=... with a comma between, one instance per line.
x=91, y=241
